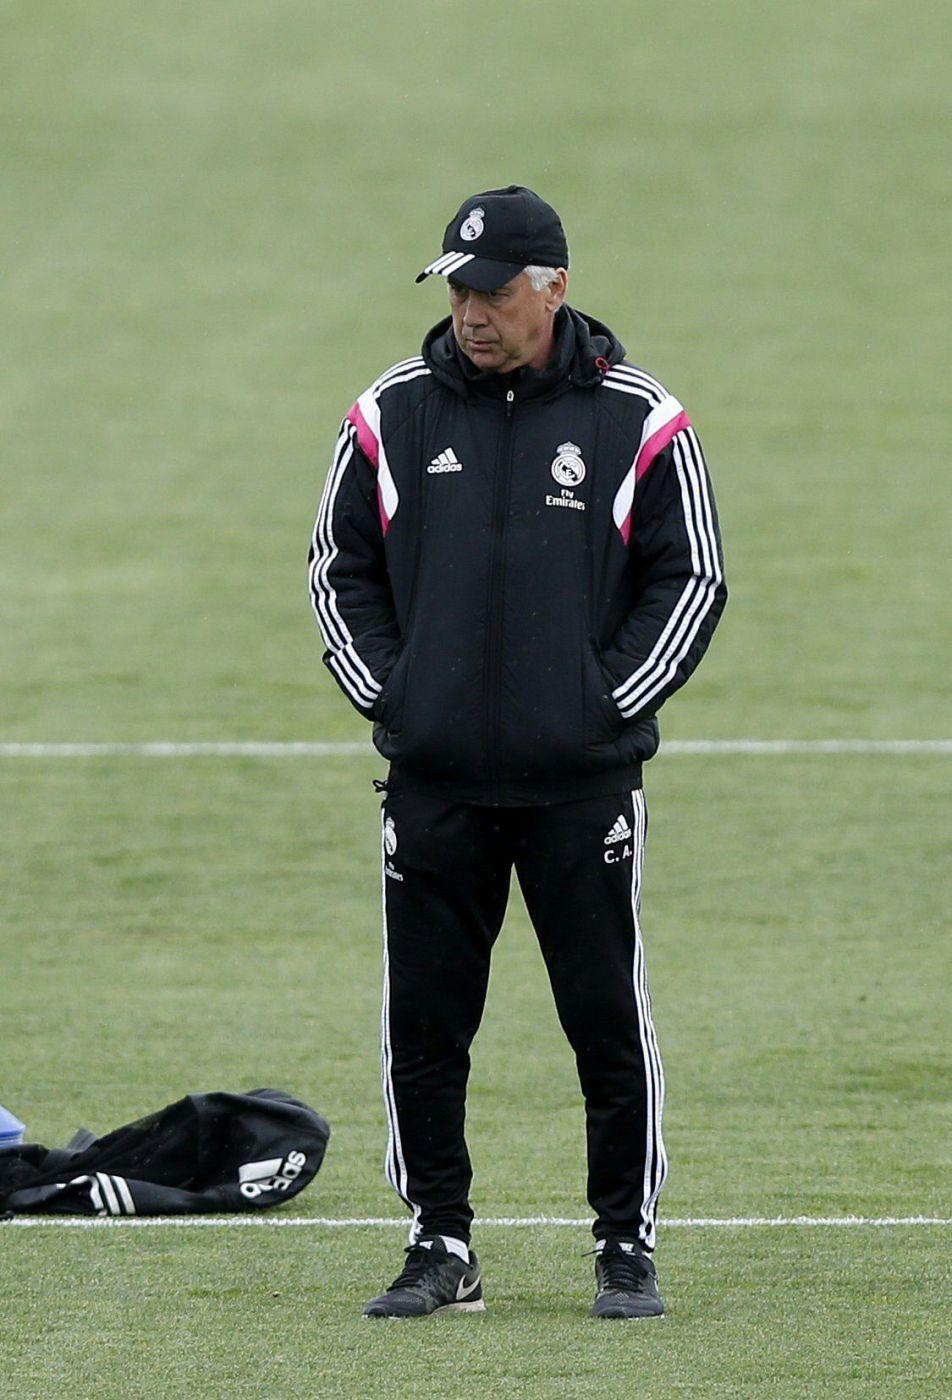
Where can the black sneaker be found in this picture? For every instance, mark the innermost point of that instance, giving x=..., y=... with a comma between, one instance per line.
x=433, y=1280
x=627, y=1283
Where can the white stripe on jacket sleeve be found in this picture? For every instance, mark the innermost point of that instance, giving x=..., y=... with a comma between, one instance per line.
x=646, y=683
x=353, y=673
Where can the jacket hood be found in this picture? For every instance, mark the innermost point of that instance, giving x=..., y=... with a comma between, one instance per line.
x=584, y=350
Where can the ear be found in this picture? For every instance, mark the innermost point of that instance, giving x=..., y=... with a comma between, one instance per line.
x=555, y=292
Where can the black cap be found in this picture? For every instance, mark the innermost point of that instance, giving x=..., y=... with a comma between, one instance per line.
x=494, y=235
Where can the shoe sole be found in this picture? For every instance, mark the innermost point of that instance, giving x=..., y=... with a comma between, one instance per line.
x=473, y=1307
x=625, y=1317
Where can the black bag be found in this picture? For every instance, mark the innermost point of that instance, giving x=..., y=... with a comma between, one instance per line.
x=207, y=1152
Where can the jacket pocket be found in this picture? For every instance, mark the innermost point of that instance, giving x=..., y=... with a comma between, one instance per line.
x=388, y=708
x=603, y=720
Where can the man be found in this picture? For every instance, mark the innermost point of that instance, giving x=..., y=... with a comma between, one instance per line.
x=516, y=561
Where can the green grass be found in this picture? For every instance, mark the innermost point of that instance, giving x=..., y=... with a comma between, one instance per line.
x=273, y=1313
x=222, y=933
x=211, y=222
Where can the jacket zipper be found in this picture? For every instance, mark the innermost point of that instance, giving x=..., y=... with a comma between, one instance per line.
x=494, y=608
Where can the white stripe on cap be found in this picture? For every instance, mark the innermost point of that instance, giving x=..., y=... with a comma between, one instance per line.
x=447, y=263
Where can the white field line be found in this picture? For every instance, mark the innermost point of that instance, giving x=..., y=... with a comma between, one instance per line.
x=167, y=749
x=505, y=1222
x=331, y=749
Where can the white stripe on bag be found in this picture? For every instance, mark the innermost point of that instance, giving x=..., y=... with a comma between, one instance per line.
x=109, y=1195
x=125, y=1195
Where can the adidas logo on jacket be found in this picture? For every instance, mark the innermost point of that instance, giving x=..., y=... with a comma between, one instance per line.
x=507, y=652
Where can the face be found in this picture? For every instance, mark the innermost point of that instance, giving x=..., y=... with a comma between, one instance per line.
x=512, y=326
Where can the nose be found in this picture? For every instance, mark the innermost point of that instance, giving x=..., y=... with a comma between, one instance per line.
x=473, y=311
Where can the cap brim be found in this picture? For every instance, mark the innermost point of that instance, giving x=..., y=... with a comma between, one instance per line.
x=482, y=274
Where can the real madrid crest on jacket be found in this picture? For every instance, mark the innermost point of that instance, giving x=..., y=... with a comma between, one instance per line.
x=524, y=516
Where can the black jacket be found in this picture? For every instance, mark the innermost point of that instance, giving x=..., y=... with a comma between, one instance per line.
x=512, y=573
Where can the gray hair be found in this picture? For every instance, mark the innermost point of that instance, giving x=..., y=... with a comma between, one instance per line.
x=540, y=277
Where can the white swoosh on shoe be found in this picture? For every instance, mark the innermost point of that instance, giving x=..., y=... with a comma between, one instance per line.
x=464, y=1289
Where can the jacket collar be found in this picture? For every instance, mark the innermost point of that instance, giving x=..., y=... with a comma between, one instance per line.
x=584, y=350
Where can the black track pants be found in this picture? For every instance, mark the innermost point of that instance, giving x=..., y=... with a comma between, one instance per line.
x=447, y=869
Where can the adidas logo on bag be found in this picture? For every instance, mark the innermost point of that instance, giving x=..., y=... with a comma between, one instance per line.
x=620, y=832
x=276, y=1174
x=445, y=461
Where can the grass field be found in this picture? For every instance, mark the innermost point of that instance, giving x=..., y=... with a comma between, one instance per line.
x=211, y=221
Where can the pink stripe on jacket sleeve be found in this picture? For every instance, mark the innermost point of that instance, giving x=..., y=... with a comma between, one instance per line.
x=670, y=418
x=658, y=441
x=369, y=444
x=366, y=439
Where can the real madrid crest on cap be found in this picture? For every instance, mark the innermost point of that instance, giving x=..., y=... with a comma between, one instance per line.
x=513, y=229
x=567, y=465
x=473, y=225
